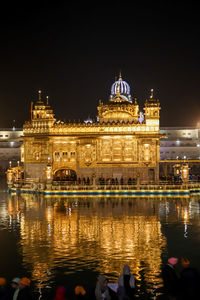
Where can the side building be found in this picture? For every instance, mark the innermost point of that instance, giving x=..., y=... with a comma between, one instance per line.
x=10, y=142
x=120, y=144
x=180, y=143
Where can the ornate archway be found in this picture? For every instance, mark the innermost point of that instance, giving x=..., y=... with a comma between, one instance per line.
x=64, y=174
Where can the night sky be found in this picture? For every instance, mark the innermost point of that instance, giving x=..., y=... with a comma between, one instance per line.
x=73, y=54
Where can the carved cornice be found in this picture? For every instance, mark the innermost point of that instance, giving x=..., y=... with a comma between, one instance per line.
x=91, y=129
x=119, y=111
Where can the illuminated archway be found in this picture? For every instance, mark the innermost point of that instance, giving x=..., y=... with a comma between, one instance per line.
x=64, y=174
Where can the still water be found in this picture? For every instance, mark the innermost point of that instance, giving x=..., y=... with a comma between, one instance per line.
x=69, y=241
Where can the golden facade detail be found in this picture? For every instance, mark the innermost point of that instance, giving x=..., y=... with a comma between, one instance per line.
x=120, y=138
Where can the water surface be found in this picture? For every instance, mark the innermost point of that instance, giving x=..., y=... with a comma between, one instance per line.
x=70, y=241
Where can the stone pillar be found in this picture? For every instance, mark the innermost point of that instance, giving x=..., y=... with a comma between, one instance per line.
x=18, y=177
x=49, y=176
x=9, y=176
x=157, y=174
x=138, y=179
x=93, y=180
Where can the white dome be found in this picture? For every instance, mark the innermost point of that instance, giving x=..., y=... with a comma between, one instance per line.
x=122, y=87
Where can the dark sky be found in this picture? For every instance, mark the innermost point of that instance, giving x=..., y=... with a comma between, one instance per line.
x=73, y=53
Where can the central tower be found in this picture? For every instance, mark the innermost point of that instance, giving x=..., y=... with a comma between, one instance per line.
x=119, y=107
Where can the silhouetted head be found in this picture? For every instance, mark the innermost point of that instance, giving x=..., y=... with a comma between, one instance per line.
x=24, y=282
x=15, y=282
x=60, y=293
x=185, y=262
x=2, y=281
x=126, y=270
x=173, y=261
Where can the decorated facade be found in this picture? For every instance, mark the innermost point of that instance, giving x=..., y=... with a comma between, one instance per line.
x=123, y=142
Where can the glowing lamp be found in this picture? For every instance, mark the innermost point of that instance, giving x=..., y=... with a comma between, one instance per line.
x=177, y=169
x=185, y=172
x=49, y=171
x=9, y=176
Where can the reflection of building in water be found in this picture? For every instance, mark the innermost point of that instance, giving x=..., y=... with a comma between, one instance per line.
x=31, y=217
x=102, y=235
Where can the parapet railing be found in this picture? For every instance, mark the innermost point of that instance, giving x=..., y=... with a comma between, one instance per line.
x=124, y=187
x=157, y=186
x=56, y=185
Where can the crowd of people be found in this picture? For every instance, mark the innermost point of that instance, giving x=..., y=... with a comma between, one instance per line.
x=183, y=286
x=19, y=289
x=98, y=181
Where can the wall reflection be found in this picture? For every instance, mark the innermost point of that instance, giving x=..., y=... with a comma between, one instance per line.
x=98, y=234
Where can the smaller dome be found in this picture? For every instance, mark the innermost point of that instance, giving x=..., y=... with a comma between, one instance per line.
x=88, y=120
x=122, y=87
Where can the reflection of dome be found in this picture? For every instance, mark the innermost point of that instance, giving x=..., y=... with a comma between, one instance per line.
x=122, y=87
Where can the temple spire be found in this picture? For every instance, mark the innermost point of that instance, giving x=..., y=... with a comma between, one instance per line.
x=39, y=96
x=47, y=97
x=40, y=102
x=151, y=95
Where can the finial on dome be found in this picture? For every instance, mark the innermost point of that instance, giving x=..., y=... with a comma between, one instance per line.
x=120, y=76
x=47, y=97
x=151, y=96
x=39, y=95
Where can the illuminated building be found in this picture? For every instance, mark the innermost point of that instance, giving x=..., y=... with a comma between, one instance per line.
x=10, y=142
x=121, y=143
x=180, y=143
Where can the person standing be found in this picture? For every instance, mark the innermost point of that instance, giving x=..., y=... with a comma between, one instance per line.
x=170, y=279
x=80, y=292
x=60, y=293
x=189, y=281
x=102, y=290
x=3, y=289
x=14, y=291
x=126, y=285
x=24, y=289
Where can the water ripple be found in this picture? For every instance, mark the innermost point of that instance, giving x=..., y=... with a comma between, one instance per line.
x=57, y=239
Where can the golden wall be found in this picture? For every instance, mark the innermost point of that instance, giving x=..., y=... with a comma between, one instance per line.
x=116, y=143
x=92, y=153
